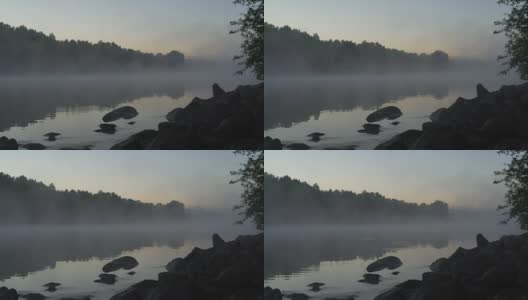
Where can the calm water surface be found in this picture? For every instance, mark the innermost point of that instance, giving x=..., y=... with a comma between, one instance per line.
x=338, y=256
x=74, y=257
x=339, y=106
x=74, y=106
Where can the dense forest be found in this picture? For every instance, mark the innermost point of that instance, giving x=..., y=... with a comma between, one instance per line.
x=289, y=200
x=24, y=50
x=290, y=50
x=26, y=201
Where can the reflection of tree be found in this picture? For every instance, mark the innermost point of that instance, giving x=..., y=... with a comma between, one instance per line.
x=29, y=251
x=289, y=102
x=23, y=102
x=286, y=254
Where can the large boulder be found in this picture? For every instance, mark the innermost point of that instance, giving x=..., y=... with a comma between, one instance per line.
x=8, y=144
x=389, y=262
x=125, y=112
x=389, y=112
x=125, y=262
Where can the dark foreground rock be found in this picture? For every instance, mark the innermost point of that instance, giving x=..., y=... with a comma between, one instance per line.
x=228, y=271
x=491, y=121
x=272, y=294
x=272, y=144
x=8, y=294
x=228, y=120
x=125, y=262
x=8, y=144
x=389, y=112
x=491, y=271
x=125, y=112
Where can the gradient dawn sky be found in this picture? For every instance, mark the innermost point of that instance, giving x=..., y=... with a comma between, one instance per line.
x=463, y=28
x=198, y=28
x=460, y=178
x=196, y=178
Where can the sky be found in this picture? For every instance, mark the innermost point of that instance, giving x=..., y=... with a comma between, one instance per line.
x=199, y=179
x=463, y=179
x=462, y=28
x=198, y=28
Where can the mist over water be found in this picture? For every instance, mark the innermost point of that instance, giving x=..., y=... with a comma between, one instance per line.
x=337, y=104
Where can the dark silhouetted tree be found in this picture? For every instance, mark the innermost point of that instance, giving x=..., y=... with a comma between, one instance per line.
x=515, y=27
x=251, y=177
x=515, y=178
x=251, y=27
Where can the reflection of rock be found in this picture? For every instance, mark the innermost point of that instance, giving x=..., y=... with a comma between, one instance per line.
x=125, y=112
x=125, y=262
x=8, y=144
x=106, y=278
x=230, y=270
x=298, y=146
x=8, y=294
x=389, y=262
x=389, y=112
x=52, y=286
x=272, y=144
x=231, y=120
x=493, y=270
x=493, y=120
x=34, y=146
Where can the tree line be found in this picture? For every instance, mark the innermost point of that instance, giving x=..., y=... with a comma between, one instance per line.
x=26, y=201
x=290, y=50
x=289, y=200
x=24, y=50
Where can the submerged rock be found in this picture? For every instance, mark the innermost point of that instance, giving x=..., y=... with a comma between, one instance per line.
x=106, y=278
x=52, y=136
x=125, y=262
x=371, y=129
x=316, y=286
x=389, y=262
x=52, y=286
x=8, y=144
x=316, y=136
x=125, y=112
x=389, y=112
x=107, y=128
x=371, y=278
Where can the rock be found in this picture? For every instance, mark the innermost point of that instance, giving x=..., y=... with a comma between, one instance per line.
x=107, y=128
x=481, y=241
x=125, y=112
x=298, y=146
x=52, y=136
x=217, y=241
x=440, y=265
x=371, y=129
x=131, y=123
x=403, y=141
x=439, y=136
x=499, y=127
x=132, y=273
x=106, y=278
x=395, y=273
x=371, y=278
x=176, y=265
x=482, y=91
x=298, y=296
x=8, y=294
x=389, y=112
x=138, y=141
x=175, y=115
x=8, y=144
x=316, y=286
x=438, y=115
x=316, y=136
x=33, y=296
x=125, y=262
x=52, y=286
x=138, y=291
x=403, y=291
x=272, y=294
x=395, y=123
x=218, y=91
x=389, y=262
x=34, y=146
x=272, y=144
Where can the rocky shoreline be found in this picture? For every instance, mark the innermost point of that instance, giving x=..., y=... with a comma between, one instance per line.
x=491, y=271
x=229, y=120
x=227, y=271
x=491, y=121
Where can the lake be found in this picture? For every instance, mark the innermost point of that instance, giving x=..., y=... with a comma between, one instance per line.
x=74, y=256
x=74, y=105
x=339, y=105
x=338, y=255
